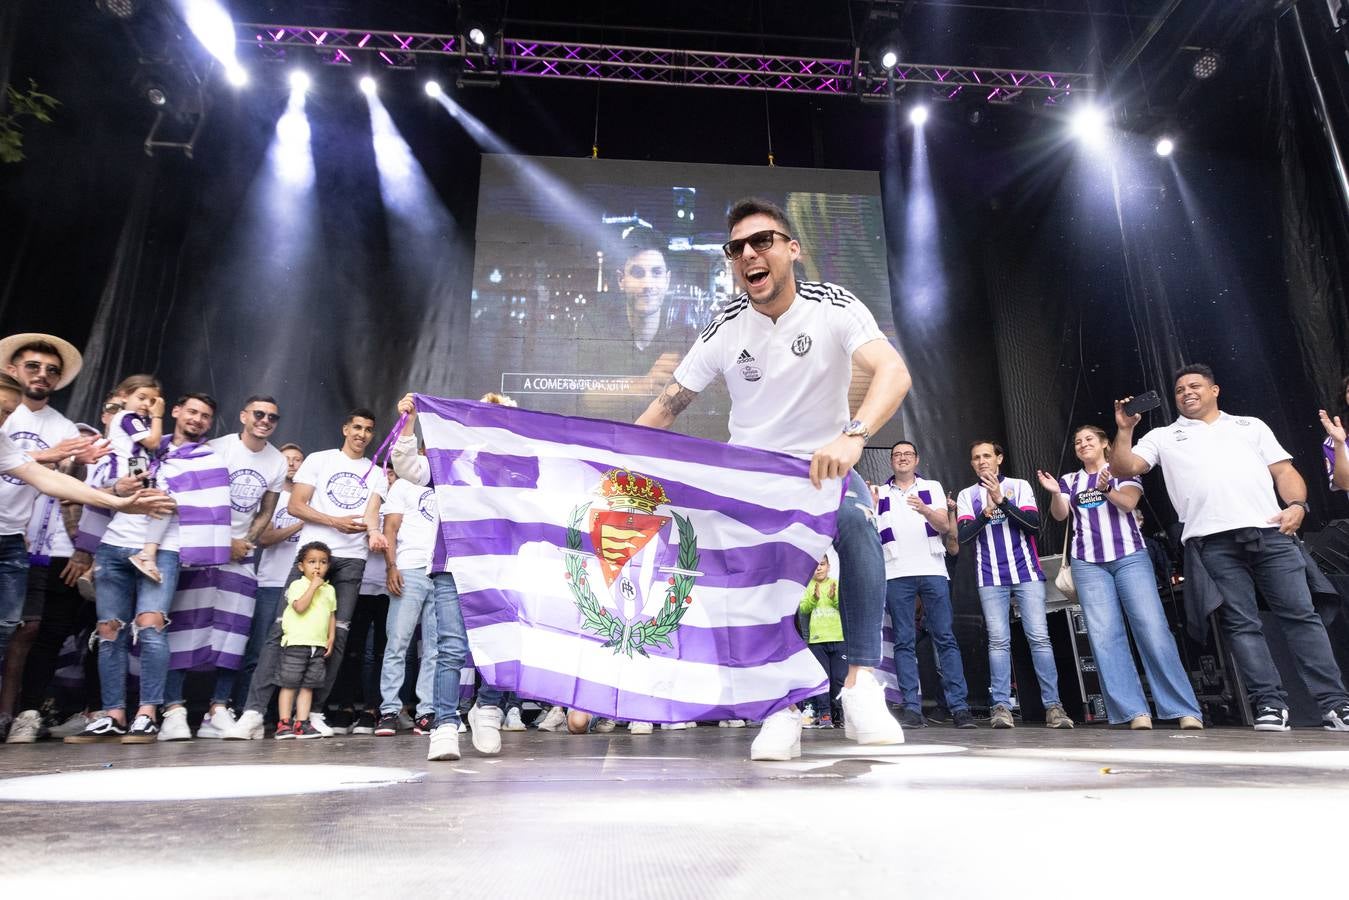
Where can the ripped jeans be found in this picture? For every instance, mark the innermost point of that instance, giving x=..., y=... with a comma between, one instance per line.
x=123, y=593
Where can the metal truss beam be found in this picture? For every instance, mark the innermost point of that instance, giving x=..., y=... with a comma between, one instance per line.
x=523, y=58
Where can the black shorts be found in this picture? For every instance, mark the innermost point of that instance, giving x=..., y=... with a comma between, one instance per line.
x=302, y=667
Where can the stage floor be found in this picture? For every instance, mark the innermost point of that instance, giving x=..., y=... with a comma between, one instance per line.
x=685, y=814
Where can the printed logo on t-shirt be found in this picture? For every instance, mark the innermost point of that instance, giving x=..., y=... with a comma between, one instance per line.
x=996, y=516
x=283, y=519
x=1243, y=421
x=347, y=491
x=801, y=346
x=1090, y=498
x=745, y=357
x=751, y=373
x=426, y=505
x=25, y=441
x=246, y=489
x=1181, y=436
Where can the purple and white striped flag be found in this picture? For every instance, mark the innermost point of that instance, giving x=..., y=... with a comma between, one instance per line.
x=211, y=616
x=199, y=483
x=631, y=573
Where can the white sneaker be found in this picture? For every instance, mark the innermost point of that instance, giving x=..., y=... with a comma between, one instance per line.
x=247, y=728
x=866, y=718
x=605, y=726
x=553, y=720
x=639, y=727
x=780, y=737
x=513, y=721
x=216, y=723
x=731, y=723
x=173, y=727
x=673, y=726
x=320, y=724
x=690, y=724
x=74, y=725
x=485, y=724
x=27, y=728
x=444, y=742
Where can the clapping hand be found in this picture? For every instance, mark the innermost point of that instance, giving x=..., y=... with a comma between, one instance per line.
x=1048, y=482
x=994, y=488
x=1334, y=428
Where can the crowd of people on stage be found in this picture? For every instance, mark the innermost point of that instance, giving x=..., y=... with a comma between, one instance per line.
x=271, y=570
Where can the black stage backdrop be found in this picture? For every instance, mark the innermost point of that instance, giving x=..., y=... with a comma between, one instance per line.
x=1064, y=288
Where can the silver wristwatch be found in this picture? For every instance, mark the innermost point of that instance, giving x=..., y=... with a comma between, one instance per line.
x=855, y=428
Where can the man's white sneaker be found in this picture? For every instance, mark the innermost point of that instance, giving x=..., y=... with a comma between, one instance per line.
x=444, y=742
x=553, y=720
x=247, y=728
x=866, y=718
x=74, y=725
x=218, y=721
x=513, y=722
x=604, y=726
x=673, y=726
x=731, y=723
x=484, y=722
x=27, y=728
x=320, y=724
x=780, y=737
x=639, y=728
x=174, y=725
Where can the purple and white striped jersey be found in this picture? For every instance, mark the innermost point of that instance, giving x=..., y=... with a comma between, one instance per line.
x=1102, y=532
x=1004, y=552
x=1328, y=450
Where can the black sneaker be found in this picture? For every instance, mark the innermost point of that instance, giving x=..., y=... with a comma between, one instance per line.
x=911, y=718
x=1271, y=718
x=303, y=731
x=104, y=728
x=963, y=718
x=142, y=731
x=339, y=720
x=365, y=723
x=425, y=724
x=1336, y=719
x=387, y=726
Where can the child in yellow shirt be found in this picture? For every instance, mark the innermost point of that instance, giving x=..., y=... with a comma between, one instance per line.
x=308, y=627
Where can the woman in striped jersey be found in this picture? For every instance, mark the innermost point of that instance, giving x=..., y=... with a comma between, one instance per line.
x=1114, y=578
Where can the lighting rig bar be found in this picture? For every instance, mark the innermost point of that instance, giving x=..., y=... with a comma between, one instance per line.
x=518, y=57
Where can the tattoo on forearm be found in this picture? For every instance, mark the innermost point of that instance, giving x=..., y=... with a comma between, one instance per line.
x=676, y=398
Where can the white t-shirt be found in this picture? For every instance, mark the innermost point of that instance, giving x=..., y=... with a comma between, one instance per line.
x=29, y=430
x=910, y=544
x=125, y=432
x=251, y=476
x=1217, y=475
x=417, y=533
x=276, y=564
x=788, y=379
x=11, y=458
x=342, y=486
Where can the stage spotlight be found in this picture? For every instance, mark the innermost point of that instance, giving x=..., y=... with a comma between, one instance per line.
x=299, y=80
x=156, y=95
x=368, y=86
x=1206, y=65
x=1165, y=147
x=477, y=35
x=433, y=88
x=918, y=116
x=118, y=9
x=237, y=76
x=1089, y=125
x=888, y=59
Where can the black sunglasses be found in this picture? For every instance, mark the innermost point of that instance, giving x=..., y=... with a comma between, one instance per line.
x=759, y=240
x=259, y=415
x=34, y=367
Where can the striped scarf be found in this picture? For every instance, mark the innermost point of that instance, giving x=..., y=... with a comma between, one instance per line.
x=199, y=482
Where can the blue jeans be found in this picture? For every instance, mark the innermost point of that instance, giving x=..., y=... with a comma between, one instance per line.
x=900, y=594
x=266, y=610
x=1128, y=587
x=122, y=593
x=451, y=647
x=997, y=604
x=1273, y=563
x=13, y=587
x=220, y=694
x=415, y=605
x=861, y=575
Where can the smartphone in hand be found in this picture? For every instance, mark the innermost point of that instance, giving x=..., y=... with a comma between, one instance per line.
x=1142, y=403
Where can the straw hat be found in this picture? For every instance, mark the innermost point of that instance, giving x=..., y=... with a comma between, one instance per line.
x=71, y=360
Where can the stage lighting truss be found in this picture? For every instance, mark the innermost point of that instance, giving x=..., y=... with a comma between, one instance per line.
x=678, y=68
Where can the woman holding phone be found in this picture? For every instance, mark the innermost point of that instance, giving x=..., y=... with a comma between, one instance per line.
x=1114, y=578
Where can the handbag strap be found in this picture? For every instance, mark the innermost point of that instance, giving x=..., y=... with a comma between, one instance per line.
x=1067, y=533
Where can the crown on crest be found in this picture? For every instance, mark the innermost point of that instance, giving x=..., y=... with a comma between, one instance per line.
x=622, y=489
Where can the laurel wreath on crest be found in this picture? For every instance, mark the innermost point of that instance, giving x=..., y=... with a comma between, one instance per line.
x=650, y=632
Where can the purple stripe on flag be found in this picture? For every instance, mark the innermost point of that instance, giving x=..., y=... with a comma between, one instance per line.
x=452, y=467
x=204, y=556
x=204, y=659
x=203, y=515
x=235, y=583
x=206, y=619
x=601, y=434
x=198, y=479
x=605, y=700
x=733, y=647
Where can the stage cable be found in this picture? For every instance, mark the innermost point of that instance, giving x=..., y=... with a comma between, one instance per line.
x=768, y=117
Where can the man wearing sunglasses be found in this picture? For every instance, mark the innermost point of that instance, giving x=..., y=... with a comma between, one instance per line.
x=787, y=351
x=33, y=537
x=257, y=475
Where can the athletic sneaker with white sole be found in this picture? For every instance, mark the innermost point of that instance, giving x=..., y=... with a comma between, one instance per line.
x=866, y=718
x=639, y=728
x=1271, y=718
x=444, y=742
x=513, y=722
x=144, y=730
x=27, y=728
x=1336, y=719
x=174, y=727
x=217, y=721
x=321, y=725
x=247, y=728
x=71, y=726
x=780, y=737
x=104, y=728
x=731, y=723
x=553, y=720
x=484, y=722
